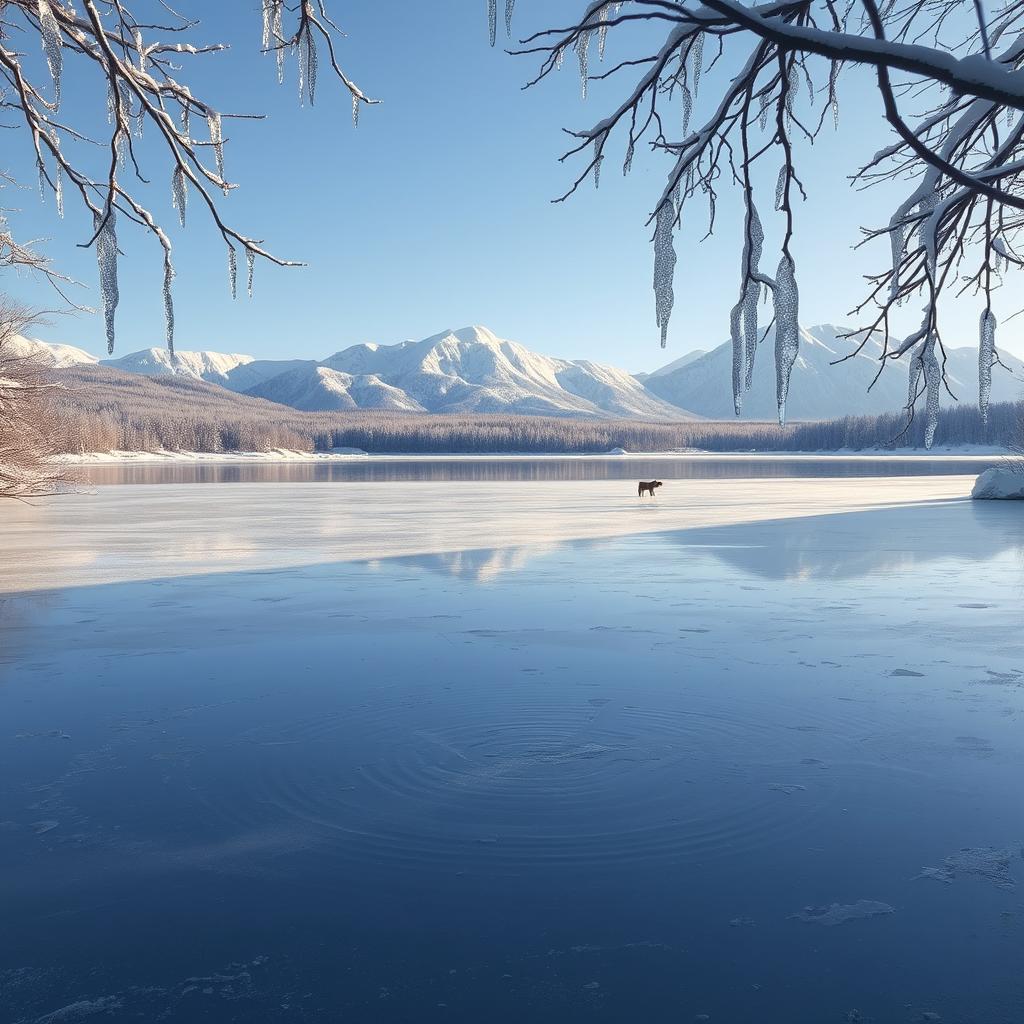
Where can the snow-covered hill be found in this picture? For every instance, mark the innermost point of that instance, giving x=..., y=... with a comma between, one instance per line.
x=820, y=390
x=50, y=353
x=314, y=387
x=153, y=362
x=468, y=370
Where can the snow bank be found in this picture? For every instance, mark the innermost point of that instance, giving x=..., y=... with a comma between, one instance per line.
x=1000, y=482
x=163, y=456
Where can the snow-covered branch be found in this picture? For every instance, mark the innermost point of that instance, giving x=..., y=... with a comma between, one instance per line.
x=951, y=83
x=124, y=48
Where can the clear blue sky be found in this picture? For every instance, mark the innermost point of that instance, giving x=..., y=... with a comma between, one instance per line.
x=436, y=211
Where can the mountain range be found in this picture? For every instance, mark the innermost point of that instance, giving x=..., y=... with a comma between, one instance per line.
x=473, y=371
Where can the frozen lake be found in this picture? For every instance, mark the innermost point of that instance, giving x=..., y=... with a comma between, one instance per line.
x=513, y=750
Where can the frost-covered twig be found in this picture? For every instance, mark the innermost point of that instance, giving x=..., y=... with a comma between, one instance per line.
x=959, y=155
x=119, y=45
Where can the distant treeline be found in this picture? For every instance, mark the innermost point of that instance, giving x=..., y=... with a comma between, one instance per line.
x=103, y=410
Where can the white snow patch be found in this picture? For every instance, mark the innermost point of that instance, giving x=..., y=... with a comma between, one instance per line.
x=1000, y=482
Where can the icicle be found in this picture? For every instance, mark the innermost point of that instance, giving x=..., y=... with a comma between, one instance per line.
x=602, y=31
x=687, y=99
x=986, y=360
x=307, y=66
x=268, y=23
x=787, y=330
x=355, y=111
x=111, y=102
x=215, y=127
x=492, y=19
x=168, y=300
x=250, y=266
x=793, y=87
x=924, y=362
x=106, y=258
x=933, y=380
x=140, y=49
x=583, y=54
x=559, y=58
x=627, y=164
x=52, y=46
x=58, y=176
x=1002, y=254
x=179, y=193
x=739, y=368
x=745, y=348
x=780, y=186
x=926, y=232
x=186, y=122
x=277, y=28
x=41, y=168
x=510, y=6
x=898, y=242
x=833, y=96
x=695, y=58
x=233, y=271
x=753, y=245
x=665, y=263
x=598, y=158
x=762, y=118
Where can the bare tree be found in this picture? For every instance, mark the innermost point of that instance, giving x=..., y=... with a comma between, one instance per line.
x=26, y=437
x=134, y=59
x=950, y=84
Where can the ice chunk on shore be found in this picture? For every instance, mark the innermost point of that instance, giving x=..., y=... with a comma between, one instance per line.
x=1000, y=482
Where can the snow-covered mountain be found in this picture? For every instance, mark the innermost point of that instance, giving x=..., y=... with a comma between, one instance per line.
x=676, y=364
x=50, y=353
x=818, y=389
x=154, y=362
x=468, y=370
x=314, y=387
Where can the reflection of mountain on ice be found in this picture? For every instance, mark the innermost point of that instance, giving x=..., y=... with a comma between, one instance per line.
x=850, y=545
x=480, y=564
x=846, y=545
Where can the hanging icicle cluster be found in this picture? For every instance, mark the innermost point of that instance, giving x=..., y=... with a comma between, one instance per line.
x=104, y=224
x=987, y=358
x=665, y=261
x=52, y=47
x=787, y=329
x=273, y=32
x=233, y=271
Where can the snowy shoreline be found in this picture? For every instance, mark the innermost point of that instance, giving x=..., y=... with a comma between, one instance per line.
x=967, y=452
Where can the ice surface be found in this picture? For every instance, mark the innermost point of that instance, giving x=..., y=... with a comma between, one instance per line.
x=251, y=526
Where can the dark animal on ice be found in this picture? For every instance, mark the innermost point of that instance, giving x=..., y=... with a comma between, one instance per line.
x=648, y=486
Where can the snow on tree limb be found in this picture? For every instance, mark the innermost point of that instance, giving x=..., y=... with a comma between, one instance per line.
x=117, y=43
x=957, y=154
